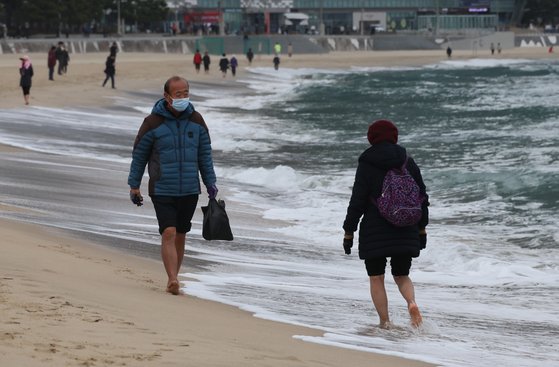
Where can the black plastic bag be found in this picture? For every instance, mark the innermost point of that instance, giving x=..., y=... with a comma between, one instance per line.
x=216, y=223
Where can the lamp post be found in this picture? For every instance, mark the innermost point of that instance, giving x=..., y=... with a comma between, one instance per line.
x=118, y=17
x=321, y=27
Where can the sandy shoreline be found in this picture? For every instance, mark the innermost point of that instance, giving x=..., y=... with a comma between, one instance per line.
x=66, y=302
x=71, y=302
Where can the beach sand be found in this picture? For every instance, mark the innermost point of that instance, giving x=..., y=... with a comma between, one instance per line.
x=67, y=302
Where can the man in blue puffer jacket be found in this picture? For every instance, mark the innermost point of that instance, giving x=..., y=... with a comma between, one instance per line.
x=175, y=144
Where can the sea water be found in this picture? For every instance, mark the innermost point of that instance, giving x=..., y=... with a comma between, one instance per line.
x=485, y=134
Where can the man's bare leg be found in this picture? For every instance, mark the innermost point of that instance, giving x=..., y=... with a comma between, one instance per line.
x=180, y=240
x=405, y=285
x=380, y=299
x=169, y=256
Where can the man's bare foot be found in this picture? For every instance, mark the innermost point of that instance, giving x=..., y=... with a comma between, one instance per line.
x=173, y=287
x=416, y=319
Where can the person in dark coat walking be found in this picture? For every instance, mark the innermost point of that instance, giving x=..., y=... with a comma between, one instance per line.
x=65, y=60
x=250, y=56
x=113, y=50
x=206, y=61
x=58, y=52
x=379, y=239
x=110, y=71
x=51, y=62
x=234, y=64
x=25, y=75
x=224, y=65
x=276, y=62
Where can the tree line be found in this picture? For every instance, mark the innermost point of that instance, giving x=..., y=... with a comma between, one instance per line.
x=27, y=17
x=541, y=12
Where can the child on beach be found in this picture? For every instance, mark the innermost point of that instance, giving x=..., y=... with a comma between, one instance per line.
x=378, y=238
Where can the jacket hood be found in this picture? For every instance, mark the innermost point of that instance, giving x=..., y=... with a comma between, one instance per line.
x=384, y=156
x=160, y=109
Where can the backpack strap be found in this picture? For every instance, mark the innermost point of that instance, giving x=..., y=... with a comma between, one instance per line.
x=403, y=167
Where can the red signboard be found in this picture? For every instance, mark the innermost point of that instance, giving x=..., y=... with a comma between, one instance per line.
x=202, y=17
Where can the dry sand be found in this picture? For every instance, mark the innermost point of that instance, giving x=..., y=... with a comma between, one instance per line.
x=65, y=302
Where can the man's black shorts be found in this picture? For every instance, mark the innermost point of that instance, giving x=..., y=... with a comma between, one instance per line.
x=400, y=265
x=175, y=211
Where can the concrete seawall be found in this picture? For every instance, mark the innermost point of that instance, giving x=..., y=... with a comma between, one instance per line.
x=264, y=44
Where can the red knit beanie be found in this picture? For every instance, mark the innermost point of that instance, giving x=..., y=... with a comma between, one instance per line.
x=382, y=130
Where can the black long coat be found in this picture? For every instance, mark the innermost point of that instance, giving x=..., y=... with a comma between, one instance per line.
x=25, y=76
x=110, y=66
x=377, y=237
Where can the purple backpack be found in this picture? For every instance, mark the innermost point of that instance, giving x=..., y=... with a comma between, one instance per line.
x=400, y=200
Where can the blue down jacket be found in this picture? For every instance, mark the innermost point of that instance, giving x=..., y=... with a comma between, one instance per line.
x=175, y=150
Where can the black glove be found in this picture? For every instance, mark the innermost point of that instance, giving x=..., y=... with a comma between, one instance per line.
x=137, y=199
x=423, y=240
x=348, y=243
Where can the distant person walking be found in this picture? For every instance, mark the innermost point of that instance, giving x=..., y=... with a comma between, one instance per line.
x=113, y=50
x=499, y=48
x=25, y=75
x=223, y=65
x=379, y=238
x=276, y=62
x=197, y=60
x=63, y=58
x=58, y=52
x=492, y=48
x=51, y=62
x=110, y=71
x=234, y=64
x=289, y=49
x=250, y=56
x=206, y=60
x=449, y=52
x=277, y=48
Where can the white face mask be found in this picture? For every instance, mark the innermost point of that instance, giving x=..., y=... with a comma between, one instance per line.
x=180, y=104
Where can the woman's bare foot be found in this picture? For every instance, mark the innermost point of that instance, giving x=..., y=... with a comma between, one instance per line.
x=173, y=287
x=386, y=325
x=416, y=319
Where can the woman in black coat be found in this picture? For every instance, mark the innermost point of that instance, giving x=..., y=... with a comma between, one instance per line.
x=25, y=75
x=378, y=238
x=110, y=70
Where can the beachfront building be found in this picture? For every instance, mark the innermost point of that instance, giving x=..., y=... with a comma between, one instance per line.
x=348, y=16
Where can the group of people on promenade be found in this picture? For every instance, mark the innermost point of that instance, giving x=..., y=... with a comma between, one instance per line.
x=233, y=63
x=174, y=189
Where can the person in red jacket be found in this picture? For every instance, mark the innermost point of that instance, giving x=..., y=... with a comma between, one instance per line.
x=197, y=60
x=51, y=62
